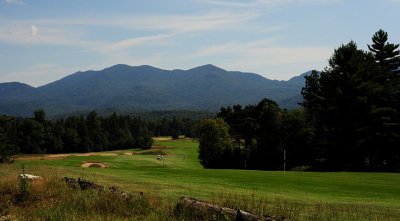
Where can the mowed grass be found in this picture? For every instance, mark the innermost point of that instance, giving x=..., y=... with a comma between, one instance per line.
x=299, y=195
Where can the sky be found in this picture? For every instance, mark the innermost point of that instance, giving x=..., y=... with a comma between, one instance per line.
x=45, y=40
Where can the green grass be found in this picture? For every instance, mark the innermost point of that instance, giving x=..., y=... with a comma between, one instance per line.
x=303, y=195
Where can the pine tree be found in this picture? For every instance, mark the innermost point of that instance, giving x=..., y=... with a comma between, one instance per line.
x=387, y=55
x=346, y=105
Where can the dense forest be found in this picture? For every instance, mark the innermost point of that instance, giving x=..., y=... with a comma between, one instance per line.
x=84, y=133
x=350, y=119
x=144, y=114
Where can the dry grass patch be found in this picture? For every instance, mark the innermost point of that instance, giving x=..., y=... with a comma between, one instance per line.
x=158, y=139
x=58, y=156
x=51, y=199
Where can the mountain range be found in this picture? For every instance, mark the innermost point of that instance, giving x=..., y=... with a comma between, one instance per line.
x=148, y=88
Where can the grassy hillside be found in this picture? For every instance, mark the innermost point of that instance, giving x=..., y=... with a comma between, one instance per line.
x=299, y=195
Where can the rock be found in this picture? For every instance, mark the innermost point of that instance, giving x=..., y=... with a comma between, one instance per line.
x=30, y=177
x=83, y=184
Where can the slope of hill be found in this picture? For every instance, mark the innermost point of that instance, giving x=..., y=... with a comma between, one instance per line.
x=148, y=88
x=17, y=92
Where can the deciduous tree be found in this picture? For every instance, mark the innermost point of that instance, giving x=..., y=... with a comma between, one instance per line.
x=214, y=142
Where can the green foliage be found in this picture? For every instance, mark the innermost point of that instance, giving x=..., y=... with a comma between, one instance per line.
x=261, y=132
x=85, y=134
x=23, y=186
x=350, y=119
x=6, y=148
x=8, y=137
x=351, y=108
x=386, y=54
x=214, y=142
x=40, y=116
x=150, y=115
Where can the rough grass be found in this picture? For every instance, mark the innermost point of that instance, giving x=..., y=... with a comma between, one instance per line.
x=297, y=195
x=51, y=199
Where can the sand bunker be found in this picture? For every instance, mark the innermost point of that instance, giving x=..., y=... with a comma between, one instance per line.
x=94, y=164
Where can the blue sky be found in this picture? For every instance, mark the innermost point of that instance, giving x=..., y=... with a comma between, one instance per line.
x=44, y=40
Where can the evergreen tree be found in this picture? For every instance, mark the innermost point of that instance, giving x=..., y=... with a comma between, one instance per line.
x=40, y=116
x=86, y=144
x=96, y=132
x=296, y=139
x=268, y=135
x=347, y=105
x=387, y=55
x=7, y=149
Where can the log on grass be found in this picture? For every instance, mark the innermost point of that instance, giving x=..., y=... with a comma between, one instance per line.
x=197, y=207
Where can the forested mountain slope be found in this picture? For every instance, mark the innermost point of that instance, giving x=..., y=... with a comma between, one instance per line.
x=148, y=88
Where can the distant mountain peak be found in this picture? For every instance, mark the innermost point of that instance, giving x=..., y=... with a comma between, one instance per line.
x=117, y=67
x=207, y=67
x=14, y=85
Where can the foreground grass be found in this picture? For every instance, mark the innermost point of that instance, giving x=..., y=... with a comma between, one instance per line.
x=297, y=195
x=51, y=199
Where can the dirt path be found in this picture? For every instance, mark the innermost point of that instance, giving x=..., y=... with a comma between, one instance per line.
x=158, y=139
x=60, y=156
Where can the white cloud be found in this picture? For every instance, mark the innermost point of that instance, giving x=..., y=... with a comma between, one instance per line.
x=15, y=2
x=216, y=20
x=34, y=30
x=266, y=50
x=124, y=44
x=68, y=31
x=263, y=56
x=23, y=33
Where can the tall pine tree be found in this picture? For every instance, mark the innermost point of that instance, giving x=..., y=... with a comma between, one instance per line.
x=346, y=107
x=387, y=55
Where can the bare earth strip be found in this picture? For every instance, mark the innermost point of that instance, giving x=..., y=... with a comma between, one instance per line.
x=63, y=156
x=59, y=156
x=158, y=139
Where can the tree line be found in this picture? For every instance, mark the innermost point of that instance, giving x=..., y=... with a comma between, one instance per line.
x=38, y=135
x=350, y=119
x=254, y=137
